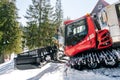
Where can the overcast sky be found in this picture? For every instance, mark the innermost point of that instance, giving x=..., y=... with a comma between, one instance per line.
x=71, y=8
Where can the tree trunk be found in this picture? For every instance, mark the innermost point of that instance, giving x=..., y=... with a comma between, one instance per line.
x=1, y=58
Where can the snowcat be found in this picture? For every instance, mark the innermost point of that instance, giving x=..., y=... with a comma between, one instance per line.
x=88, y=45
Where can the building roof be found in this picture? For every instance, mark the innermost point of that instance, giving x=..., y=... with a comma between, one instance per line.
x=100, y=4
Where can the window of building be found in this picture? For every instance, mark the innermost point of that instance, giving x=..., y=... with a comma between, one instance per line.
x=99, y=6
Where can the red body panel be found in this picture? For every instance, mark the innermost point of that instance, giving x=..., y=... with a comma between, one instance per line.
x=80, y=47
x=68, y=21
x=90, y=41
x=104, y=39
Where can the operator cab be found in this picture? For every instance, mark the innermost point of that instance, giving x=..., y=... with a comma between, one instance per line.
x=75, y=32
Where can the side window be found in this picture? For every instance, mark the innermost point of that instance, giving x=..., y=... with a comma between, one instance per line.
x=79, y=29
x=74, y=30
x=118, y=11
x=76, y=27
x=69, y=30
x=103, y=18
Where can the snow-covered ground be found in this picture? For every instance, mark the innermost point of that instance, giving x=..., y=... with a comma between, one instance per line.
x=57, y=71
x=64, y=73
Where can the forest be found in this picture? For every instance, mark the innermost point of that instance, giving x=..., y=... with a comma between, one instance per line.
x=43, y=20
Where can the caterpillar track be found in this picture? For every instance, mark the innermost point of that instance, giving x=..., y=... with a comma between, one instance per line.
x=92, y=60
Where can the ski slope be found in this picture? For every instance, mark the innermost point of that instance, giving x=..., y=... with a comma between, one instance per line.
x=57, y=71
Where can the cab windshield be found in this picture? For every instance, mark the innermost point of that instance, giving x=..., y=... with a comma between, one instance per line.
x=75, y=32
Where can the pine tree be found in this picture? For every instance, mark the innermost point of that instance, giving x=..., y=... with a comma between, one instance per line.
x=58, y=13
x=48, y=27
x=58, y=21
x=11, y=33
x=39, y=27
x=33, y=15
x=2, y=19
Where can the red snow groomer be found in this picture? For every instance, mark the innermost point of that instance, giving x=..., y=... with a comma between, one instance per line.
x=87, y=45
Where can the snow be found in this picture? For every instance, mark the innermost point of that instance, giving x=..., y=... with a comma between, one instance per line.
x=66, y=73
x=23, y=74
x=59, y=71
x=7, y=67
x=85, y=75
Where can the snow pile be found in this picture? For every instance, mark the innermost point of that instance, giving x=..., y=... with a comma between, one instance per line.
x=7, y=67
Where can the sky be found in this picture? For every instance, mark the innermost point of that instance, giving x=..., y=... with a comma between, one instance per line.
x=71, y=8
